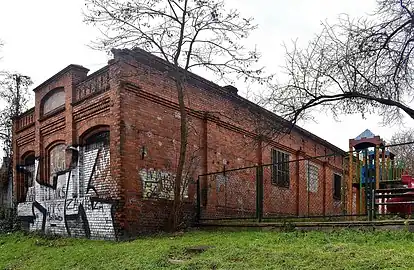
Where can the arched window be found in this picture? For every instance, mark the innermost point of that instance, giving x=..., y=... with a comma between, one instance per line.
x=97, y=140
x=55, y=160
x=53, y=101
x=25, y=178
x=29, y=165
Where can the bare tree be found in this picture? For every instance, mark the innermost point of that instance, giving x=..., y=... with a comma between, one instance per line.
x=13, y=99
x=188, y=34
x=404, y=150
x=360, y=65
x=15, y=96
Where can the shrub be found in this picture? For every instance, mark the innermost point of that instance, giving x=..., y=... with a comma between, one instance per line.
x=8, y=220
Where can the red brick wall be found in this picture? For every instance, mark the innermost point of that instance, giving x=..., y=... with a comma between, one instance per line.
x=226, y=140
x=139, y=108
x=82, y=114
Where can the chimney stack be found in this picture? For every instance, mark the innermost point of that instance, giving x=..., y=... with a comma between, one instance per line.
x=231, y=89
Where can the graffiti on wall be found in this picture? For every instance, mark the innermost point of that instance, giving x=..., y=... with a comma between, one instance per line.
x=159, y=184
x=72, y=205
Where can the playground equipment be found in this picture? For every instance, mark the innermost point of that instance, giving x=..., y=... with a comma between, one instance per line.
x=377, y=183
x=401, y=203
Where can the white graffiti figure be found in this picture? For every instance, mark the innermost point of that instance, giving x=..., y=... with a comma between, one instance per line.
x=64, y=208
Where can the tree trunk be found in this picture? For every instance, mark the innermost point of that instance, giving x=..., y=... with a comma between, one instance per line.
x=177, y=204
x=17, y=101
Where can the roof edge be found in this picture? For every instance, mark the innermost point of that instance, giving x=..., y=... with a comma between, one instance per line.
x=146, y=58
x=28, y=111
x=60, y=73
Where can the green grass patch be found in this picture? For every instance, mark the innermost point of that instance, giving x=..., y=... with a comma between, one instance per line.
x=345, y=249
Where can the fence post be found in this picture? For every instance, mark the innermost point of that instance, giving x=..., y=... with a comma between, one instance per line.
x=373, y=204
x=198, y=199
x=307, y=186
x=259, y=193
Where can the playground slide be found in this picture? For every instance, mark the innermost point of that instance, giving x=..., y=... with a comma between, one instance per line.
x=402, y=205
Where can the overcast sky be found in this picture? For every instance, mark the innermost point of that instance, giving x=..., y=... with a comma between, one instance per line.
x=41, y=37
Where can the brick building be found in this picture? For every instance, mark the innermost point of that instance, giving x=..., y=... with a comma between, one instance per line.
x=96, y=155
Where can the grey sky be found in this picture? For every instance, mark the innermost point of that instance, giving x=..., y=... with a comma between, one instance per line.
x=41, y=37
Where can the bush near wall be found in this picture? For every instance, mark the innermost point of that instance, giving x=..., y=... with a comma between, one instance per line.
x=8, y=220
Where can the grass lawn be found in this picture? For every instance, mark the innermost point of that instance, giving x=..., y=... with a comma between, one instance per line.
x=347, y=249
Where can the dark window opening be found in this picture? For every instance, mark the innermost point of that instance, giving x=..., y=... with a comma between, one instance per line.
x=337, y=187
x=280, y=169
x=29, y=164
x=97, y=140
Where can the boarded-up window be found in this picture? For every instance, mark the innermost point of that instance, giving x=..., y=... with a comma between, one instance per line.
x=57, y=159
x=312, y=178
x=53, y=101
x=337, y=186
x=95, y=167
x=280, y=169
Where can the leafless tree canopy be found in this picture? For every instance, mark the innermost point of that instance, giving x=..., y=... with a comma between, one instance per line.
x=188, y=33
x=360, y=65
x=14, y=96
x=404, y=152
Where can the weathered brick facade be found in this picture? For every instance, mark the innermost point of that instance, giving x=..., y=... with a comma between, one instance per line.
x=100, y=162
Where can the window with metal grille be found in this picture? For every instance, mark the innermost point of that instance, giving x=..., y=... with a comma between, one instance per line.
x=280, y=169
x=337, y=180
x=312, y=178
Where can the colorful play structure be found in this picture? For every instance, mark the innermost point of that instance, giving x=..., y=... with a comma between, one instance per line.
x=377, y=181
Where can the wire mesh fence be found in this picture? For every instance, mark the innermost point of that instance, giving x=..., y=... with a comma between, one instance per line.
x=286, y=188
x=371, y=183
x=229, y=194
x=308, y=192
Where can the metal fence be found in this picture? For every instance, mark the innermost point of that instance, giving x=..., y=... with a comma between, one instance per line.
x=231, y=194
x=288, y=188
x=379, y=186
